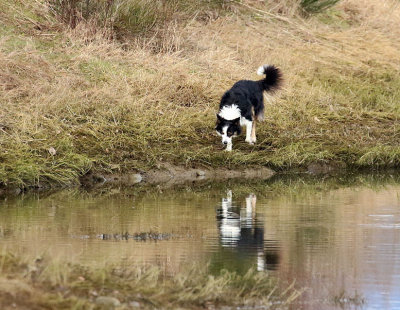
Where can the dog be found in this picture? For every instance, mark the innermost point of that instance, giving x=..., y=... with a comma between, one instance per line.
x=243, y=105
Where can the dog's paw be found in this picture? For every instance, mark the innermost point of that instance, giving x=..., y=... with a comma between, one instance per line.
x=251, y=141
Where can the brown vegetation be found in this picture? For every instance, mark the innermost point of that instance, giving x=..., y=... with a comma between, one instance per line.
x=74, y=98
x=42, y=284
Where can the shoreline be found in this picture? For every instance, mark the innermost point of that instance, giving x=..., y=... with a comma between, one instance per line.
x=169, y=175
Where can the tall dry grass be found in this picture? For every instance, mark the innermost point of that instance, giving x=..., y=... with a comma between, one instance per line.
x=104, y=104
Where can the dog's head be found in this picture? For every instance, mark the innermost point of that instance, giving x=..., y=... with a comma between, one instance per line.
x=227, y=129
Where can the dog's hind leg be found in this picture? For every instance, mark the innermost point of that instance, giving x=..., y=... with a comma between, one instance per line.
x=253, y=127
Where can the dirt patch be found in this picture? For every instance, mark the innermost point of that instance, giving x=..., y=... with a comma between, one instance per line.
x=176, y=175
x=170, y=175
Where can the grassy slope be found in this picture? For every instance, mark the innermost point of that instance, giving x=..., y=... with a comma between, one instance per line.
x=102, y=106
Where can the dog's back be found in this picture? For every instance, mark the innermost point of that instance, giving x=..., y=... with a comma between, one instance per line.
x=249, y=94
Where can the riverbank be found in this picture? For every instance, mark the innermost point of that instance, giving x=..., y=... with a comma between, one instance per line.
x=49, y=284
x=77, y=103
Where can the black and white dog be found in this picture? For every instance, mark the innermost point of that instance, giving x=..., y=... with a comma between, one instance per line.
x=243, y=104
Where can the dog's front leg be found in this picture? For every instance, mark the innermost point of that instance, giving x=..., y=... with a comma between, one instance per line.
x=229, y=147
x=249, y=128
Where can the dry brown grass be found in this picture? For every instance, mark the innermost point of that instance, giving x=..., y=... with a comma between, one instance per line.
x=106, y=105
x=46, y=284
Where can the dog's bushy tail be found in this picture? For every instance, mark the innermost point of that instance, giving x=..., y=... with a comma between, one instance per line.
x=273, y=77
x=271, y=83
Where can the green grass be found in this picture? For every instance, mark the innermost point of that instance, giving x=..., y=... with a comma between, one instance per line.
x=44, y=284
x=313, y=6
x=125, y=19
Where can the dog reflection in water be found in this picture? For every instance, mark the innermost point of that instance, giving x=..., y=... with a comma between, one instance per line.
x=242, y=232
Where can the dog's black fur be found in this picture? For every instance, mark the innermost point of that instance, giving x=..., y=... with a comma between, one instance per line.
x=248, y=96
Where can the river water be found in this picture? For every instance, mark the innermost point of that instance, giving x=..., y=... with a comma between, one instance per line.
x=336, y=238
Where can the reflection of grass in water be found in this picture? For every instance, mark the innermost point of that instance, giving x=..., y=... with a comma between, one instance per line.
x=281, y=184
x=347, y=301
x=231, y=259
x=49, y=284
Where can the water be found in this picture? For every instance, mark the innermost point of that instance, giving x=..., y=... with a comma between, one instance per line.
x=340, y=240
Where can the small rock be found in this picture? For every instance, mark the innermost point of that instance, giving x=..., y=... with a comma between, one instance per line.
x=135, y=178
x=200, y=173
x=52, y=151
x=209, y=305
x=99, y=178
x=108, y=301
x=134, y=304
